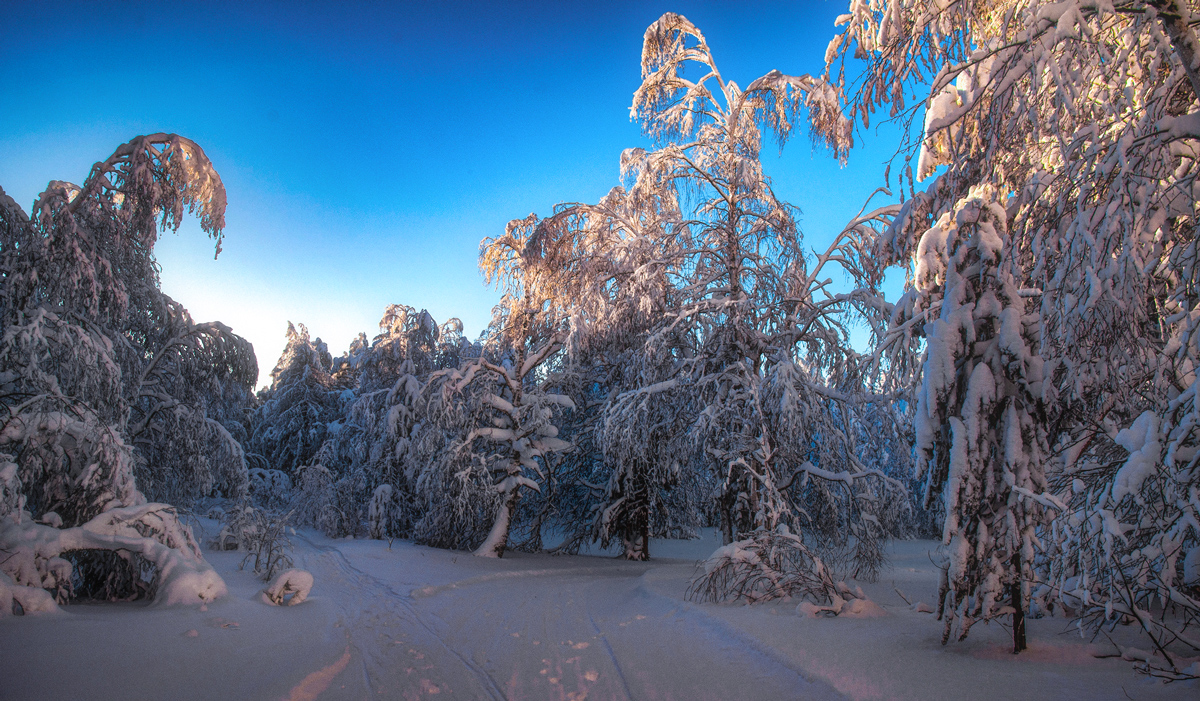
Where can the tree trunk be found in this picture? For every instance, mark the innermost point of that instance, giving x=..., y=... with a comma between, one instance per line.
x=497, y=539
x=943, y=590
x=637, y=533
x=726, y=523
x=1018, y=605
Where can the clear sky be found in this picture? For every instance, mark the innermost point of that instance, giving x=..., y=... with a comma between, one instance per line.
x=367, y=148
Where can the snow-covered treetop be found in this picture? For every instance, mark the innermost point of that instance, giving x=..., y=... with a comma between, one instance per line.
x=301, y=356
x=99, y=237
x=672, y=107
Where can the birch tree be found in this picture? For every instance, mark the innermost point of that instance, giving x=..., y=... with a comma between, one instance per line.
x=187, y=408
x=613, y=265
x=755, y=337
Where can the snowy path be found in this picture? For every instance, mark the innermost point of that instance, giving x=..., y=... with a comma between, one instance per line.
x=556, y=630
x=411, y=622
x=602, y=633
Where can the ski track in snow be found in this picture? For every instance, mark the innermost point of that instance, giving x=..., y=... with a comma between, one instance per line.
x=560, y=632
x=612, y=656
x=370, y=604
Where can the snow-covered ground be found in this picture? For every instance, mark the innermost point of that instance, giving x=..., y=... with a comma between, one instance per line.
x=414, y=622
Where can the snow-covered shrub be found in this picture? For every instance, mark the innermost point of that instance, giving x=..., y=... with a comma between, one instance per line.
x=261, y=534
x=768, y=565
x=269, y=488
x=12, y=500
x=845, y=604
x=290, y=587
x=384, y=514
x=21, y=600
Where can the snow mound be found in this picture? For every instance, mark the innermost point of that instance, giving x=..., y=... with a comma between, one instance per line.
x=862, y=608
x=294, y=582
x=15, y=598
x=855, y=607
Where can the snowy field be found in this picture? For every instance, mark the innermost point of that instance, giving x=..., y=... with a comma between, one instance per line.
x=415, y=622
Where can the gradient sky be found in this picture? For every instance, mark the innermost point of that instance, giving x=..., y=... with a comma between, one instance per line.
x=367, y=148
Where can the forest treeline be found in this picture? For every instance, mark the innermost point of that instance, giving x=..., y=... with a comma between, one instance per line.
x=675, y=357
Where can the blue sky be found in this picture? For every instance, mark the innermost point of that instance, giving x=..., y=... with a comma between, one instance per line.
x=367, y=148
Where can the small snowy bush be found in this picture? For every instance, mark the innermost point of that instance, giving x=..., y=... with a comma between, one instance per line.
x=261, y=534
x=384, y=513
x=768, y=565
x=270, y=488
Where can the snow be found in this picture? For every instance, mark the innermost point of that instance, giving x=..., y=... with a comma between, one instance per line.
x=1191, y=567
x=289, y=588
x=1045, y=318
x=1141, y=440
x=415, y=622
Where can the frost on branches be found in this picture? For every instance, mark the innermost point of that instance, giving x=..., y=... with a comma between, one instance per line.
x=295, y=412
x=346, y=442
x=1084, y=118
x=610, y=266
x=380, y=440
x=754, y=335
x=104, y=379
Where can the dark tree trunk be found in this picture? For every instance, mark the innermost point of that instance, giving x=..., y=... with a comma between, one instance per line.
x=646, y=536
x=1018, y=604
x=726, y=525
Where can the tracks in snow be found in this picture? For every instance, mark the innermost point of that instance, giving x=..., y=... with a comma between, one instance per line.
x=599, y=631
x=369, y=604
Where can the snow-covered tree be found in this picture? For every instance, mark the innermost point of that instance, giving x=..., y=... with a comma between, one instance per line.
x=1084, y=117
x=611, y=264
x=500, y=404
x=754, y=338
x=296, y=411
x=186, y=420
x=981, y=431
x=373, y=444
x=88, y=345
